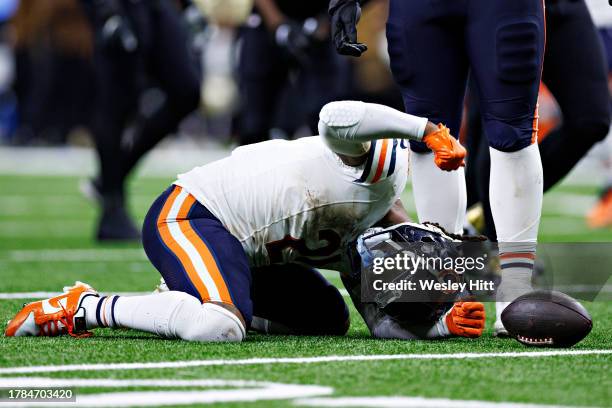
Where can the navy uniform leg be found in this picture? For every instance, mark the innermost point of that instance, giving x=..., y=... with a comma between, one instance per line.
x=430, y=64
x=505, y=42
x=296, y=299
x=195, y=254
x=573, y=50
x=428, y=58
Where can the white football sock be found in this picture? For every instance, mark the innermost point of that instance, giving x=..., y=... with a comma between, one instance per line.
x=516, y=189
x=169, y=314
x=440, y=196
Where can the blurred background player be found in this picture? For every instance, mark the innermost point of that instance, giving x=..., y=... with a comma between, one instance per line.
x=575, y=73
x=136, y=43
x=53, y=75
x=432, y=46
x=287, y=70
x=7, y=71
x=601, y=214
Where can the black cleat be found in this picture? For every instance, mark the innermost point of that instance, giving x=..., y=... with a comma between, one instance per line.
x=115, y=223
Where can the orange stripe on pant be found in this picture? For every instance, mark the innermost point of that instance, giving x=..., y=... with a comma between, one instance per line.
x=535, y=125
x=201, y=248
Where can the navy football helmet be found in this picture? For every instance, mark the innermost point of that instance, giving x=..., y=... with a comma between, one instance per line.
x=412, y=240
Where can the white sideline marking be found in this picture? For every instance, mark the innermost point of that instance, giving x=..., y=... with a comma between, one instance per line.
x=558, y=203
x=243, y=391
x=172, y=157
x=77, y=255
x=412, y=402
x=293, y=360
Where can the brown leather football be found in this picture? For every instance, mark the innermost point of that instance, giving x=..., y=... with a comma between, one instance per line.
x=547, y=319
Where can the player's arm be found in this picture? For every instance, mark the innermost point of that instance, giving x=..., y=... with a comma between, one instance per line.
x=348, y=127
x=464, y=319
x=288, y=34
x=397, y=214
x=270, y=14
x=380, y=325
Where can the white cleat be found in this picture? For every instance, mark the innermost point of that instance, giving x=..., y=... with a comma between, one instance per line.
x=498, y=327
x=506, y=293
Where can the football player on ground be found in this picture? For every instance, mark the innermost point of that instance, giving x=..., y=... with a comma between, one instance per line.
x=433, y=45
x=240, y=237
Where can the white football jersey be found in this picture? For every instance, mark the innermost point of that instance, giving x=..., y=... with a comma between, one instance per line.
x=296, y=201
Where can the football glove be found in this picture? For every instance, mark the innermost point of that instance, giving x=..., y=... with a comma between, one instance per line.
x=448, y=152
x=344, y=16
x=466, y=319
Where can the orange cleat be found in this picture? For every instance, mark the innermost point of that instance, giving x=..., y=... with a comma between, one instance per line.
x=600, y=215
x=448, y=152
x=466, y=319
x=55, y=316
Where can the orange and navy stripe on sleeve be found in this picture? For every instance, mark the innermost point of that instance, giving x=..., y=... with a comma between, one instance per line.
x=381, y=161
x=191, y=251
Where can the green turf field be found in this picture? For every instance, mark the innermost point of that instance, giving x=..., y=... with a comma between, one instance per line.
x=45, y=243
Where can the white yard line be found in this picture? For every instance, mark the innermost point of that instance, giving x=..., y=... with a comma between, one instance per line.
x=558, y=203
x=411, y=402
x=294, y=360
x=76, y=255
x=167, y=392
x=172, y=158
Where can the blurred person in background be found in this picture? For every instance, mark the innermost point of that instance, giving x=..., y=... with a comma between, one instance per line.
x=372, y=79
x=288, y=69
x=138, y=44
x=218, y=44
x=576, y=75
x=53, y=48
x=7, y=72
x=601, y=213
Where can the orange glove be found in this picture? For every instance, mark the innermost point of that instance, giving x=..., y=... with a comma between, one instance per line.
x=449, y=153
x=466, y=319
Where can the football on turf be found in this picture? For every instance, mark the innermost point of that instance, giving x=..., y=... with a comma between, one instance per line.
x=547, y=319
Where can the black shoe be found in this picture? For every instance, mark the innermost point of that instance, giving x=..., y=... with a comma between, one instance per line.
x=115, y=223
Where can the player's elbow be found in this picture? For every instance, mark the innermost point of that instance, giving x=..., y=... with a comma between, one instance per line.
x=342, y=114
x=338, y=122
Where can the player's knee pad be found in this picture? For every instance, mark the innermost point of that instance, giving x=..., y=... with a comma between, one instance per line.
x=196, y=321
x=519, y=51
x=510, y=135
x=509, y=121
